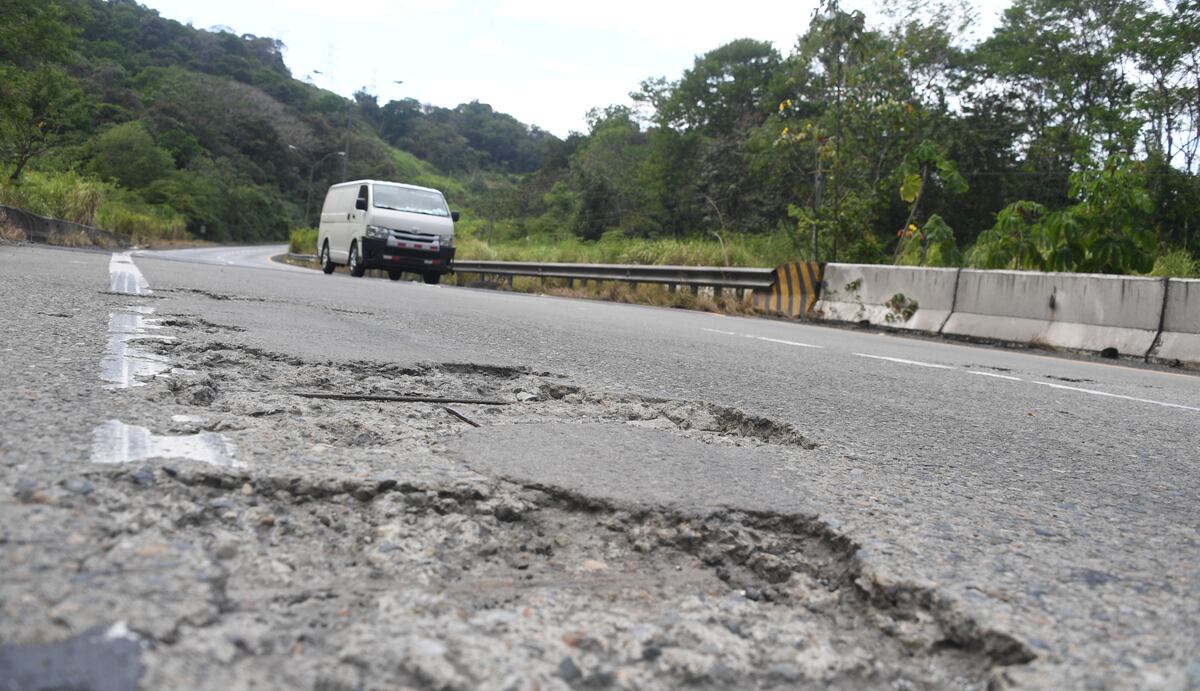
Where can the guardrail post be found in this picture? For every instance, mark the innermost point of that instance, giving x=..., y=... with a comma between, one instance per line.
x=570, y=284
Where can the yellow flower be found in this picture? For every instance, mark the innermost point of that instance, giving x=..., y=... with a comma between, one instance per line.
x=785, y=132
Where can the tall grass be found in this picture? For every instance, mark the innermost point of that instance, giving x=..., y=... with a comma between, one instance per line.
x=760, y=250
x=69, y=196
x=90, y=202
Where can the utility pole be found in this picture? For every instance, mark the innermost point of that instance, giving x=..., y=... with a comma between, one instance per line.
x=346, y=152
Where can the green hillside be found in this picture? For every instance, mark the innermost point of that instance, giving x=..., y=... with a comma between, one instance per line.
x=156, y=122
x=1068, y=139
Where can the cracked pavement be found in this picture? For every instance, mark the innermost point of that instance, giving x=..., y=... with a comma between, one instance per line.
x=654, y=506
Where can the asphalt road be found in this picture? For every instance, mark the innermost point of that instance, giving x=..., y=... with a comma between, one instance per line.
x=1046, y=499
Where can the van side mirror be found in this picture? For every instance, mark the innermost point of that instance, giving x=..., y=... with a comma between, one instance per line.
x=360, y=204
x=454, y=216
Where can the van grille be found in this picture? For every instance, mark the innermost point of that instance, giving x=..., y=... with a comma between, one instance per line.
x=411, y=236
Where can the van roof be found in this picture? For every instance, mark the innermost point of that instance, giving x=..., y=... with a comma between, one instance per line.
x=386, y=182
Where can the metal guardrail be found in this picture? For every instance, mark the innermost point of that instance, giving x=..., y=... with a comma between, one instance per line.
x=709, y=276
x=738, y=278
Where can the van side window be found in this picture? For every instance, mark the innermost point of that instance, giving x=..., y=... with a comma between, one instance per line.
x=362, y=193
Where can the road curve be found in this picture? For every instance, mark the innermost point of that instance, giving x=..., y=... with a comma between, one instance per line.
x=245, y=256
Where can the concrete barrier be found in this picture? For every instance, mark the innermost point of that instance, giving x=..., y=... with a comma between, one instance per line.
x=1085, y=312
x=900, y=297
x=1180, y=337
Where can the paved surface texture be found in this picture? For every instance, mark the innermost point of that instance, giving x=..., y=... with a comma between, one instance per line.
x=671, y=498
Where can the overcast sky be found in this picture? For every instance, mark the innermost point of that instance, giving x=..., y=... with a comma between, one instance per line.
x=546, y=62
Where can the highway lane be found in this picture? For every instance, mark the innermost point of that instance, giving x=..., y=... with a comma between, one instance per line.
x=247, y=256
x=1061, y=498
x=1123, y=382
x=1052, y=498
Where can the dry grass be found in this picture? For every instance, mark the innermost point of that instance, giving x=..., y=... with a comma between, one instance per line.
x=79, y=238
x=176, y=244
x=706, y=300
x=724, y=302
x=8, y=231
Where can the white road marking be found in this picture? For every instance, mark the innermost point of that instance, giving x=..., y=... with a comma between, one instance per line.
x=905, y=362
x=776, y=340
x=186, y=418
x=122, y=364
x=762, y=338
x=119, y=630
x=124, y=276
x=1115, y=395
x=997, y=376
x=115, y=442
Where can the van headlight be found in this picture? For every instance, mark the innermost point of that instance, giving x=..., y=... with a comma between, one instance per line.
x=447, y=241
x=378, y=233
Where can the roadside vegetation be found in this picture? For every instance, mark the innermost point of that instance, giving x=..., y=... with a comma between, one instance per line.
x=1067, y=140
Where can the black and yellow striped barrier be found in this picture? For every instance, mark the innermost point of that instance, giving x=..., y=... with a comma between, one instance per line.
x=796, y=289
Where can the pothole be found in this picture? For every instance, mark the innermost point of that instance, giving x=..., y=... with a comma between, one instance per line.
x=360, y=550
x=455, y=581
x=250, y=382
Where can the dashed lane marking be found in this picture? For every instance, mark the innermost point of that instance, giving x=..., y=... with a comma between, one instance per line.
x=124, y=276
x=115, y=442
x=1116, y=395
x=981, y=374
x=763, y=338
x=997, y=376
x=123, y=363
x=905, y=362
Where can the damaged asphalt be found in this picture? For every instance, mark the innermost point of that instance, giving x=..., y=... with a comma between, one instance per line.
x=652, y=508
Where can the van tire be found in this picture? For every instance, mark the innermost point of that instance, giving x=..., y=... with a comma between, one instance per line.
x=354, y=262
x=327, y=264
x=432, y=278
x=395, y=274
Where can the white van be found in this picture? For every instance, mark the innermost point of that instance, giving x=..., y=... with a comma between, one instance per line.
x=371, y=224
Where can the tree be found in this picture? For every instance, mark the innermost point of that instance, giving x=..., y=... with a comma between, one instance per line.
x=1062, y=61
x=128, y=155
x=36, y=31
x=923, y=167
x=605, y=171
x=38, y=110
x=723, y=88
x=931, y=245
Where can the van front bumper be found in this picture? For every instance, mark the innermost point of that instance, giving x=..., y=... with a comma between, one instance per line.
x=377, y=255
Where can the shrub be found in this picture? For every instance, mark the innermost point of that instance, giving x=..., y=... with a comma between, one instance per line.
x=303, y=241
x=1177, y=264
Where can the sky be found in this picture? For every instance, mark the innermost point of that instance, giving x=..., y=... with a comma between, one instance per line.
x=546, y=62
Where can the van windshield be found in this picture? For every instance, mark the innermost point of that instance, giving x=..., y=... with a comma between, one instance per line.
x=405, y=199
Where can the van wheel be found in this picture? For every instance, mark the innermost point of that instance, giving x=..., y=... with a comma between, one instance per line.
x=355, y=262
x=327, y=264
x=432, y=278
x=395, y=274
